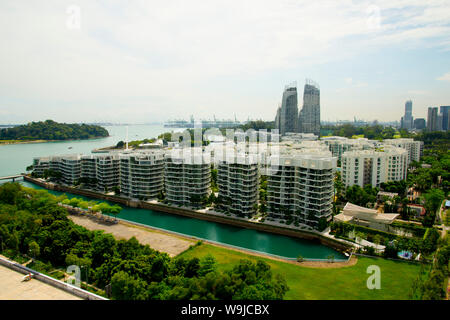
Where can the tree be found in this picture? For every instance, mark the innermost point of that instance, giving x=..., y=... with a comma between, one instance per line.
x=34, y=249
x=126, y=287
x=115, y=210
x=434, y=198
x=338, y=186
x=8, y=192
x=430, y=238
x=323, y=224
x=120, y=145
x=116, y=190
x=214, y=187
x=207, y=264
x=192, y=267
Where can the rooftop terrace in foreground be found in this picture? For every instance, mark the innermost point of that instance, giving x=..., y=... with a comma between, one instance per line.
x=13, y=288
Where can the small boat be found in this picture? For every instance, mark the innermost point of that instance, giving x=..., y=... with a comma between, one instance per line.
x=69, y=148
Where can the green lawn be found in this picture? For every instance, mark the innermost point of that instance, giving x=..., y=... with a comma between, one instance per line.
x=315, y=283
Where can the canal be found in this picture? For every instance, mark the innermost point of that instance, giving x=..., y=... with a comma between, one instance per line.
x=254, y=240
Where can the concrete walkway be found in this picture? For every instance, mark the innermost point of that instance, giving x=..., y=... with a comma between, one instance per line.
x=159, y=241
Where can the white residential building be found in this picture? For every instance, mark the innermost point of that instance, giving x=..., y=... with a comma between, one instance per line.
x=339, y=145
x=107, y=171
x=40, y=165
x=300, y=185
x=299, y=137
x=374, y=166
x=141, y=174
x=187, y=176
x=89, y=170
x=237, y=179
x=70, y=168
x=414, y=148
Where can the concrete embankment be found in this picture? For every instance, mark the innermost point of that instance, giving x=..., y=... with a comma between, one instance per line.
x=197, y=215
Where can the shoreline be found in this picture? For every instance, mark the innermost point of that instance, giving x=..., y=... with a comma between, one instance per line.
x=10, y=142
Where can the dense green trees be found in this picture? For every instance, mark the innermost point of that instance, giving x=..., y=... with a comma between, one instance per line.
x=32, y=222
x=431, y=283
x=361, y=196
x=258, y=125
x=51, y=130
x=376, y=132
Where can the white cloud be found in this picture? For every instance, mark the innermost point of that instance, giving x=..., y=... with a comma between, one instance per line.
x=154, y=57
x=445, y=77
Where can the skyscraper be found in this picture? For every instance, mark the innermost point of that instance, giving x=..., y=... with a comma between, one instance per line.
x=419, y=123
x=432, y=120
x=407, y=119
x=309, y=117
x=445, y=112
x=287, y=115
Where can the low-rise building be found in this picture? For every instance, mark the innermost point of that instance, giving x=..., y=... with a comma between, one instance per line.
x=365, y=217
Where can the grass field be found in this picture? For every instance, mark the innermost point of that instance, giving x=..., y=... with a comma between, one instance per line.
x=321, y=283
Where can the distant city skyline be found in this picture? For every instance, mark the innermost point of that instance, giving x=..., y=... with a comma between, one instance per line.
x=148, y=61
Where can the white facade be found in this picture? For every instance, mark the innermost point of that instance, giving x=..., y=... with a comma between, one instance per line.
x=187, y=176
x=300, y=186
x=141, y=174
x=237, y=179
x=70, y=168
x=414, y=148
x=374, y=166
x=339, y=145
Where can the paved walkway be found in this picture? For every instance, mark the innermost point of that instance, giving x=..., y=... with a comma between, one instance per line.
x=12, y=288
x=159, y=241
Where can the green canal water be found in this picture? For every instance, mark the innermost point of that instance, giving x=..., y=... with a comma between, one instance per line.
x=239, y=237
x=14, y=159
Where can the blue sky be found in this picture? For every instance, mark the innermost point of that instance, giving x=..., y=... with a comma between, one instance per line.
x=143, y=61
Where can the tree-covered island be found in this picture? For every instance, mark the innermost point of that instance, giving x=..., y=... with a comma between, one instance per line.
x=51, y=130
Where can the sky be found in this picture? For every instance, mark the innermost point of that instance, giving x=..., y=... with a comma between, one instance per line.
x=141, y=61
